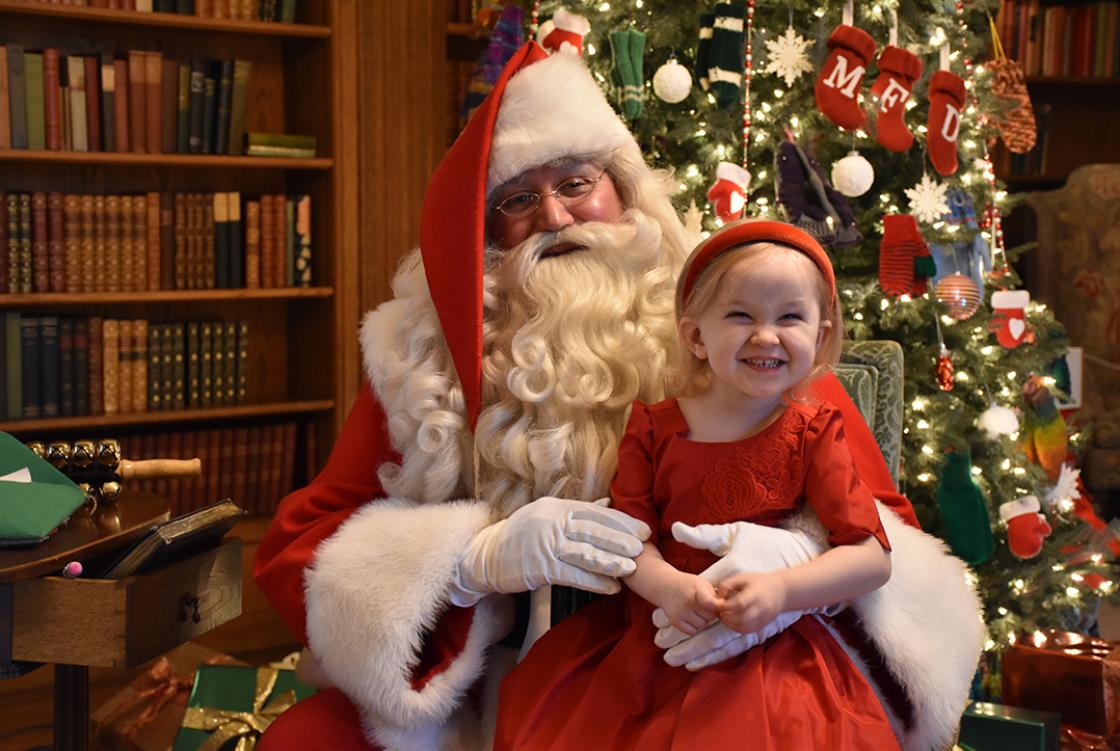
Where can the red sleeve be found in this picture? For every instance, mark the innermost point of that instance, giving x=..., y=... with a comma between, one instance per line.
x=864, y=449
x=833, y=488
x=632, y=487
x=309, y=515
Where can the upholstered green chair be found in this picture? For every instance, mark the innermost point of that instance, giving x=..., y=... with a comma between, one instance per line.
x=871, y=372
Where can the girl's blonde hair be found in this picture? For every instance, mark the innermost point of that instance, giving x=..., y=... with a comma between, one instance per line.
x=691, y=375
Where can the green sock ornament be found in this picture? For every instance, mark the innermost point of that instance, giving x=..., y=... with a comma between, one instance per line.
x=627, y=50
x=725, y=57
x=964, y=512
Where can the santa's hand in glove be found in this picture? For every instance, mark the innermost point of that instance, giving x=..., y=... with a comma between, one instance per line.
x=550, y=541
x=744, y=548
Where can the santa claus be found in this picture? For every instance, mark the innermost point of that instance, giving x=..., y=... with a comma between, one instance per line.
x=455, y=519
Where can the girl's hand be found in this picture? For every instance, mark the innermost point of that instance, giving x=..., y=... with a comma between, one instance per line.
x=690, y=602
x=751, y=601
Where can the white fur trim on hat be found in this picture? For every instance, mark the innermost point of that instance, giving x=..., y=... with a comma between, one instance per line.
x=1028, y=504
x=553, y=109
x=1011, y=298
x=375, y=585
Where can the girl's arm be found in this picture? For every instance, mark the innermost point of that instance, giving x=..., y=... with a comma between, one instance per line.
x=840, y=573
x=688, y=600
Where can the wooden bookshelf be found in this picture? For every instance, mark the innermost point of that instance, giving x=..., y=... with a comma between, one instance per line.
x=162, y=418
x=207, y=161
x=61, y=300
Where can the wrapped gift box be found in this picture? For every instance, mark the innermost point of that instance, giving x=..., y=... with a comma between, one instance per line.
x=997, y=727
x=228, y=702
x=1074, y=675
x=146, y=714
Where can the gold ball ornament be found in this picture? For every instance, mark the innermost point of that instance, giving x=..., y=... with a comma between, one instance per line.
x=960, y=294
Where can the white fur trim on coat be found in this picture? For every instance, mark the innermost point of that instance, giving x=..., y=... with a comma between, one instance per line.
x=926, y=622
x=376, y=586
x=535, y=126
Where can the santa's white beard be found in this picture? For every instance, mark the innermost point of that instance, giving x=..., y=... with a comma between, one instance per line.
x=569, y=342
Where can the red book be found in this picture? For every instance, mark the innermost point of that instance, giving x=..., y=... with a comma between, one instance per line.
x=93, y=102
x=153, y=245
x=137, y=101
x=120, y=114
x=52, y=99
x=169, y=105
x=267, y=240
x=56, y=247
x=280, y=239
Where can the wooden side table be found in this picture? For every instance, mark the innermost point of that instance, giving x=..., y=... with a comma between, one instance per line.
x=81, y=623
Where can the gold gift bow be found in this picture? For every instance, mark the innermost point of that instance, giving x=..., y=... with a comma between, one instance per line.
x=225, y=724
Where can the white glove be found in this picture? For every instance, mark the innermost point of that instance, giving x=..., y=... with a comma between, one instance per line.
x=744, y=548
x=550, y=541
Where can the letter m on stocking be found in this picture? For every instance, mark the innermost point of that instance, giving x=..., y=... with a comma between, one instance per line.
x=840, y=78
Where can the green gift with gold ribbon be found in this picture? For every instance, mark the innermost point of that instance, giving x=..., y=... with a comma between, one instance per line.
x=230, y=706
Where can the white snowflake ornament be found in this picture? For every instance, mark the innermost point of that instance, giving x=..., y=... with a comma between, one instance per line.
x=1065, y=490
x=786, y=56
x=928, y=200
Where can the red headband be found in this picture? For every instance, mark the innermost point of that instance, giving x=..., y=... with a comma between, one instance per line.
x=752, y=231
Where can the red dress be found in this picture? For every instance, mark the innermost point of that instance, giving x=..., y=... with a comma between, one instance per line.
x=597, y=681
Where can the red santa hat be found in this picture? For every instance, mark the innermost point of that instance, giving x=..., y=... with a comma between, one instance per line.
x=542, y=109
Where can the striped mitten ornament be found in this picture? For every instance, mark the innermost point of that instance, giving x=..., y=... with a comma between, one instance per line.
x=627, y=51
x=904, y=258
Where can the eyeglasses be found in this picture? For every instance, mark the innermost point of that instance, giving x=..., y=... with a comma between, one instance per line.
x=570, y=192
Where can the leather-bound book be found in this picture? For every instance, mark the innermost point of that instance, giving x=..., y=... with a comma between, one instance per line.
x=128, y=255
x=23, y=266
x=81, y=366
x=140, y=251
x=49, y=368
x=30, y=363
x=139, y=365
x=155, y=369
x=225, y=97
x=303, y=241
x=198, y=95
x=252, y=244
x=72, y=243
x=111, y=361
x=155, y=251
x=11, y=399
x=242, y=69
x=96, y=379
x=87, y=277
x=206, y=364
x=40, y=249
x=115, y=280
x=289, y=278
x=93, y=103
x=167, y=255
x=153, y=101
x=182, y=248
x=183, y=108
x=169, y=111
x=76, y=80
x=220, y=213
x=125, y=354
x=52, y=99
x=167, y=365
x=137, y=101
x=66, y=367
x=242, y=363
x=194, y=366
x=232, y=355
x=5, y=106
x=268, y=241
x=239, y=482
x=56, y=244
x=17, y=97
x=209, y=252
x=217, y=363
x=5, y=252
x=236, y=235
x=122, y=106
x=108, y=103
x=178, y=367
x=209, y=109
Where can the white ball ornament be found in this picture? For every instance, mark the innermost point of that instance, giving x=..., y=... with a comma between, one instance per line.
x=998, y=420
x=853, y=175
x=672, y=82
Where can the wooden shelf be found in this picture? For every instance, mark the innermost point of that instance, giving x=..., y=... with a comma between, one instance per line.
x=119, y=159
x=166, y=296
x=103, y=422
x=467, y=30
x=162, y=20
x=1102, y=81
x=1019, y=180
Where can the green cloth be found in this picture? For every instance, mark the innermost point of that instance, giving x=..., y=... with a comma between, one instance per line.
x=996, y=727
x=628, y=52
x=231, y=687
x=34, y=496
x=964, y=511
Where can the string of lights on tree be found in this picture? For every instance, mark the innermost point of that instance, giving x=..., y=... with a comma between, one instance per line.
x=730, y=94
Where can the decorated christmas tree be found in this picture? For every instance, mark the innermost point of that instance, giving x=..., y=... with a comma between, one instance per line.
x=870, y=126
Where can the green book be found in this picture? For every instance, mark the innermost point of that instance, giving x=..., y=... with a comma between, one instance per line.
x=36, y=117
x=287, y=11
x=217, y=363
x=206, y=364
x=232, y=355
x=178, y=368
x=241, y=71
x=285, y=140
x=194, y=364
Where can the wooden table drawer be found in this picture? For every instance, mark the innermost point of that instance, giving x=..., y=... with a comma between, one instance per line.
x=125, y=622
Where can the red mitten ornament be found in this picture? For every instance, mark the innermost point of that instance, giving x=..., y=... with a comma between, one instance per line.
x=900, y=256
x=946, y=100
x=1026, y=527
x=898, y=69
x=837, y=91
x=1009, y=317
x=729, y=193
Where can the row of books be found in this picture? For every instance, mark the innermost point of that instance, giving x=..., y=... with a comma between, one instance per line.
x=253, y=465
x=73, y=243
x=139, y=102
x=63, y=366
x=1059, y=39
x=237, y=10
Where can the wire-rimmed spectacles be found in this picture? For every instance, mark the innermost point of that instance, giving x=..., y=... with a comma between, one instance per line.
x=569, y=192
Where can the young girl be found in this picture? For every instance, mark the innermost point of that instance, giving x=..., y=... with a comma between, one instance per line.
x=758, y=318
